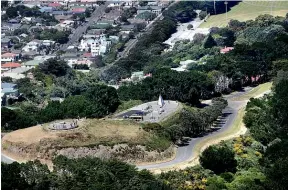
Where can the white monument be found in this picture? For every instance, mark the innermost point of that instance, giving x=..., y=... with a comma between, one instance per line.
x=160, y=101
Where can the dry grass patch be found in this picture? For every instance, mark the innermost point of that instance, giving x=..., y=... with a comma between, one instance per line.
x=90, y=132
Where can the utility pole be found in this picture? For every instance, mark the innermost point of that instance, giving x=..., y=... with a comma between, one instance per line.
x=215, y=7
x=226, y=9
x=271, y=11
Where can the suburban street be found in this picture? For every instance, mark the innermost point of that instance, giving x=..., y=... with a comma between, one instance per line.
x=80, y=30
x=132, y=42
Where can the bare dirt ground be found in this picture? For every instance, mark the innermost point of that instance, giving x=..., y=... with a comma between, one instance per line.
x=29, y=135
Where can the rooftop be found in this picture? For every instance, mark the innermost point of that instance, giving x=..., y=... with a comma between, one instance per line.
x=55, y=5
x=33, y=62
x=8, y=55
x=7, y=85
x=10, y=65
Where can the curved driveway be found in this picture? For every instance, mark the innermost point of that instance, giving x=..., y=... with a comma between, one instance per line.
x=185, y=153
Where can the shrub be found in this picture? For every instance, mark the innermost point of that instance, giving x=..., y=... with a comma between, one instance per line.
x=219, y=159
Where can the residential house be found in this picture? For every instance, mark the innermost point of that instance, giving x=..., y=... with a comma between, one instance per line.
x=153, y=9
x=27, y=20
x=116, y=4
x=9, y=57
x=8, y=91
x=48, y=43
x=80, y=62
x=95, y=31
x=136, y=77
x=103, y=24
x=78, y=10
x=226, y=49
x=16, y=73
x=6, y=27
x=47, y=9
x=44, y=57
x=61, y=18
x=55, y=13
x=32, y=46
x=128, y=28
x=114, y=39
x=70, y=57
x=32, y=4
x=55, y=5
x=10, y=65
x=32, y=63
x=97, y=46
x=14, y=21
x=6, y=43
x=23, y=35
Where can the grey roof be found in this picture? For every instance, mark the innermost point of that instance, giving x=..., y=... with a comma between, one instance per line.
x=149, y=8
x=7, y=85
x=18, y=70
x=5, y=40
x=128, y=27
x=15, y=26
x=33, y=62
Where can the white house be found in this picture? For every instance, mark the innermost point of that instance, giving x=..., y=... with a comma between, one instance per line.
x=32, y=46
x=8, y=57
x=48, y=42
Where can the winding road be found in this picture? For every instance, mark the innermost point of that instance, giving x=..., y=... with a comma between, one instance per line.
x=185, y=153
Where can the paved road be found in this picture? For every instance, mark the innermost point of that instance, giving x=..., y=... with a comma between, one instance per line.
x=184, y=153
x=131, y=43
x=80, y=30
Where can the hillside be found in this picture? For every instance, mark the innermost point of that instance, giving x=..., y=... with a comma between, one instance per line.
x=247, y=10
x=125, y=140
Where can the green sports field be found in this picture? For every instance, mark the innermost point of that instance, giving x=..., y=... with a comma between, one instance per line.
x=247, y=10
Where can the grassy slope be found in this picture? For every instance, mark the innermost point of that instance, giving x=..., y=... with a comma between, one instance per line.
x=262, y=88
x=247, y=10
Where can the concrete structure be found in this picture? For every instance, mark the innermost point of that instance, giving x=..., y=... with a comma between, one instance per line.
x=151, y=111
x=65, y=125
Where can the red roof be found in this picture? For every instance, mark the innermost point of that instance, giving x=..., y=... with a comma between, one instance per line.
x=226, y=49
x=8, y=55
x=10, y=65
x=87, y=55
x=55, y=5
x=79, y=10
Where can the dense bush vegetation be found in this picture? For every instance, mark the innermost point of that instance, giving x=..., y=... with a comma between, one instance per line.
x=218, y=159
x=96, y=102
x=185, y=87
x=84, y=173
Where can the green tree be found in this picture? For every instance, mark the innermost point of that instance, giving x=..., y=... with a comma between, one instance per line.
x=75, y=106
x=219, y=159
x=209, y=42
x=103, y=100
x=55, y=67
x=13, y=178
